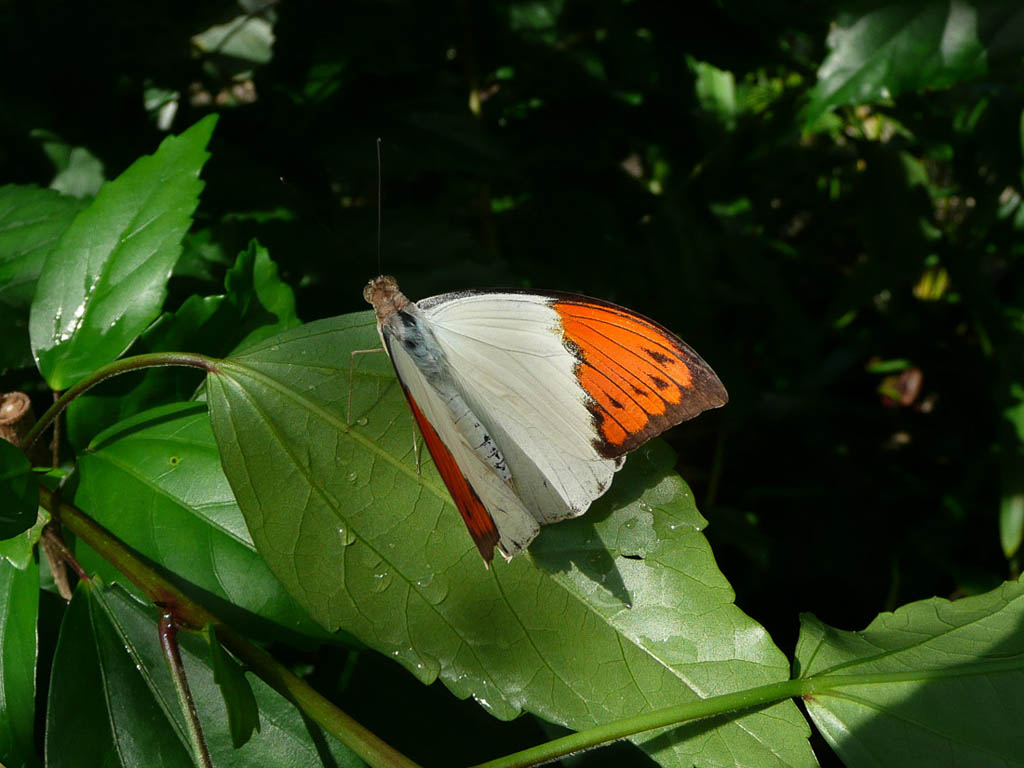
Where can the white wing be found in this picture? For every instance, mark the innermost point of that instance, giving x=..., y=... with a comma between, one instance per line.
x=502, y=508
x=508, y=358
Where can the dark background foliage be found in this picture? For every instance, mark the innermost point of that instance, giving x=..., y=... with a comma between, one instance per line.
x=854, y=280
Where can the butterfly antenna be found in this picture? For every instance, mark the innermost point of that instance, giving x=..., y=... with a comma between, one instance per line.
x=379, y=268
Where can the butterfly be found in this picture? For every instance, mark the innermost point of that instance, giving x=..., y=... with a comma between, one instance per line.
x=529, y=402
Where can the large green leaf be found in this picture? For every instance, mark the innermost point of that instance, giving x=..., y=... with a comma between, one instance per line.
x=19, y=609
x=31, y=221
x=97, y=692
x=619, y=612
x=934, y=683
x=910, y=46
x=111, y=696
x=106, y=279
x=174, y=506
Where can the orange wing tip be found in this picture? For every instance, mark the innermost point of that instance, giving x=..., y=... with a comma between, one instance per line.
x=639, y=377
x=478, y=520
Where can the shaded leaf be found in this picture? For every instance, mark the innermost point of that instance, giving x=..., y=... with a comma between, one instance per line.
x=19, y=609
x=97, y=693
x=616, y=613
x=31, y=221
x=243, y=714
x=79, y=172
x=106, y=279
x=905, y=47
x=18, y=490
x=175, y=507
x=935, y=682
x=133, y=696
x=248, y=38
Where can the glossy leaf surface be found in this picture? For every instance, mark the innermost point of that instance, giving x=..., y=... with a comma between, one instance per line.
x=105, y=281
x=255, y=304
x=31, y=222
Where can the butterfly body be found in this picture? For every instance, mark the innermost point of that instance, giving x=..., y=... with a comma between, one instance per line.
x=528, y=402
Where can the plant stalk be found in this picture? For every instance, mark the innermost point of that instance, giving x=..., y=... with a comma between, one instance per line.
x=360, y=740
x=138, y=362
x=172, y=655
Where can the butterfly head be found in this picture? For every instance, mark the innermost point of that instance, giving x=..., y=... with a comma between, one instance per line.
x=382, y=292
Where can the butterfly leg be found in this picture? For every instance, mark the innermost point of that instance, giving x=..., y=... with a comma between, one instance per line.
x=416, y=454
x=351, y=368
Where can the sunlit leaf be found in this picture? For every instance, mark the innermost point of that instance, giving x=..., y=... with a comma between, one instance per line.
x=612, y=614
x=255, y=304
x=934, y=682
x=105, y=281
x=31, y=221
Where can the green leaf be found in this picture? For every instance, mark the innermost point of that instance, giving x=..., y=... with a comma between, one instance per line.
x=19, y=551
x=79, y=172
x=248, y=38
x=31, y=221
x=716, y=91
x=175, y=507
x=265, y=305
x=18, y=490
x=934, y=683
x=19, y=609
x=243, y=714
x=110, y=678
x=897, y=48
x=97, y=693
x=1011, y=502
x=256, y=304
x=618, y=612
x=106, y=279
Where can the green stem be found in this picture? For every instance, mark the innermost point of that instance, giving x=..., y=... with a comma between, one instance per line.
x=138, y=362
x=661, y=718
x=753, y=698
x=363, y=742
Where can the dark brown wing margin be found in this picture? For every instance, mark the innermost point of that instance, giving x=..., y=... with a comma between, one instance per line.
x=640, y=377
